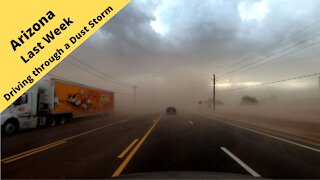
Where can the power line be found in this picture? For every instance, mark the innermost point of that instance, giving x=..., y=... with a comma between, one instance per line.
x=97, y=75
x=59, y=77
x=263, y=84
x=273, y=82
x=273, y=54
x=103, y=73
x=293, y=52
x=274, y=45
x=265, y=60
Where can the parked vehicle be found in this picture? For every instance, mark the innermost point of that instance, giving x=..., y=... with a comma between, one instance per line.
x=53, y=101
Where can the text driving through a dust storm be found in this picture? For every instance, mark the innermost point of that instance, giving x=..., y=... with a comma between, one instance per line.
x=37, y=71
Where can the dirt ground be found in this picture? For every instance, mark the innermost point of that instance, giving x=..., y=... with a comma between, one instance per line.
x=305, y=130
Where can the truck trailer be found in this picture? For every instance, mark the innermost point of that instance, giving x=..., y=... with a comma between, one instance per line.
x=52, y=101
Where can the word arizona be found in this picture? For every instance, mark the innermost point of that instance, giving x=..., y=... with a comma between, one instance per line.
x=27, y=34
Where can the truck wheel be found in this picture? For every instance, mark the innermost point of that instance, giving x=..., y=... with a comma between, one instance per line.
x=63, y=121
x=10, y=127
x=52, y=122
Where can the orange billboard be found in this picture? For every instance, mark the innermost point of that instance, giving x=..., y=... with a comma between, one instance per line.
x=82, y=101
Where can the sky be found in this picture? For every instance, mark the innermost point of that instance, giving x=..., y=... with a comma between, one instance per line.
x=169, y=49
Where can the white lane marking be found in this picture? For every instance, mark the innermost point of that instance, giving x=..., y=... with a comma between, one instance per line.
x=191, y=122
x=246, y=167
x=275, y=137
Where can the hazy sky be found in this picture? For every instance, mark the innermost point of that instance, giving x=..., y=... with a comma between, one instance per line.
x=171, y=47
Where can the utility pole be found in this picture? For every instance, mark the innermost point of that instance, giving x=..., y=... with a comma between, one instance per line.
x=134, y=95
x=214, y=93
x=319, y=87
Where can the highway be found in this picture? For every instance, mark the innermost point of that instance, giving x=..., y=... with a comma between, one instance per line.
x=124, y=146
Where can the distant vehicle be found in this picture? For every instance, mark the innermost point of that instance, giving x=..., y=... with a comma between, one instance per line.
x=171, y=110
x=52, y=101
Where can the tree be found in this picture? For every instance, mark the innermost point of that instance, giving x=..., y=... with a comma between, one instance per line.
x=249, y=100
x=209, y=101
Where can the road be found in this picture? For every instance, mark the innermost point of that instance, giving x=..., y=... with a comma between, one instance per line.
x=117, y=146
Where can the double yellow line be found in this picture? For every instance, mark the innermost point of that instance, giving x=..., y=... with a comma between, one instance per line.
x=54, y=144
x=32, y=151
x=135, y=149
x=136, y=144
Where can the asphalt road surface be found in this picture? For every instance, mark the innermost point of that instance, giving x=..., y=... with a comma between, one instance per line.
x=114, y=146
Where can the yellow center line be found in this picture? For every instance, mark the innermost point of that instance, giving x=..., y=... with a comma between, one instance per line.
x=93, y=130
x=128, y=148
x=29, y=151
x=48, y=146
x=34, y=152
x=132, y=153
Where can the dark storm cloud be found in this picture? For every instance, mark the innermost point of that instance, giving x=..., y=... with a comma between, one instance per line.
x=130, y=30
x=198, y=33
x=194, y=29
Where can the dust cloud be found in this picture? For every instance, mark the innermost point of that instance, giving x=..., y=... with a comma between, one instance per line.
x=171, y=55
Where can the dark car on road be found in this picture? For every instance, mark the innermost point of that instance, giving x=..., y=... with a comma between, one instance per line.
x=171, y=110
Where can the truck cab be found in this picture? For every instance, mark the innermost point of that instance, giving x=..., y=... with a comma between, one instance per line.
x=22, y=114
x=30, y=110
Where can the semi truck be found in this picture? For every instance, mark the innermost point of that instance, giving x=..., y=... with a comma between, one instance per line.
x=53, y=101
